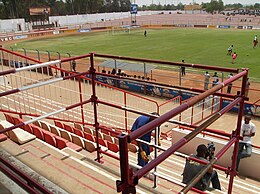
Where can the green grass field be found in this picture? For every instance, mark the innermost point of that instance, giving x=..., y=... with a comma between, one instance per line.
x=203, y=46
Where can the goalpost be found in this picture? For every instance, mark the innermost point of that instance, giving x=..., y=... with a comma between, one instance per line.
x=120, y=30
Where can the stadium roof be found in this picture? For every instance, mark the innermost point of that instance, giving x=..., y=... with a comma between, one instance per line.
x=139, y=67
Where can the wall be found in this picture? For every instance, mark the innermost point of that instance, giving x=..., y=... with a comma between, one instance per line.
x=11, y=25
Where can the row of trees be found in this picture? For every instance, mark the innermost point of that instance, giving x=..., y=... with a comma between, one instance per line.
x=20, y=8
x=212, y=6
x=180, y=6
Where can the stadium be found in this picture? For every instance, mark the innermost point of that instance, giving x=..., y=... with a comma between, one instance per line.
x=66, y=119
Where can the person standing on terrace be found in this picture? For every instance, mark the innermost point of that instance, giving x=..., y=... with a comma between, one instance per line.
x=248, y=130
x=144, y=149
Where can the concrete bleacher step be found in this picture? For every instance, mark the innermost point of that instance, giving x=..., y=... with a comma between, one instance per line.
x=7, y=186
x=45, y=149
x=76, y=169
x=13, y=186
x=244, y=185
x=74, y=153
x=70, y=174
x=50, y=166
x=38, y=164
x=145, y=184
x=110, y=166
x=83, y=165
x=241, y=184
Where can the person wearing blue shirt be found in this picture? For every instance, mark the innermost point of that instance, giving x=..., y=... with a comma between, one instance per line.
x=144, y=149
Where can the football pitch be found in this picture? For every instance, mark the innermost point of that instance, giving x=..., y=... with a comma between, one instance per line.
x=202, y=46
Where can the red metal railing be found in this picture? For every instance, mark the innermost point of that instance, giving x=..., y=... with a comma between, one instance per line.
x=129, y=179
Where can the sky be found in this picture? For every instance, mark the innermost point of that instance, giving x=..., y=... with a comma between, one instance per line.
x=175, y=2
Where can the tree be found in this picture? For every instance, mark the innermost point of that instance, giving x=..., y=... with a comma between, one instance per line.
x=95, y=6
x=60, y=9
x=125, y=5
x=204, y=5
x=215, y=5
x=180, y=6
x=234, y=6
x=257, y=6
x=220, y=5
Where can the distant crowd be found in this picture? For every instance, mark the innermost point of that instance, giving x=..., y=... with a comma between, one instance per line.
x=119, y=72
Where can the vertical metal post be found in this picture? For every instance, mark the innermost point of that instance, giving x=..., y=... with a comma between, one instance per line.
x=220, y=102
x=115, y=80
x=125, y=111
x=192, y=114
x=203, y=108
x=38, y=54
x=124, y=185
x=237, y=134
x=2, y=59
x=61, y=72
x=25, y=54
x=70, y=61
x=157, y=135
x=58, y=55
x=49, y=59
x=180, y=76
x=80, y=97
x=49, y=56
x=212, y=104
x=180, y=113
x=94, y=100
x=145, y=87
x=115, y=64
x=222, y=79
x=145, y=71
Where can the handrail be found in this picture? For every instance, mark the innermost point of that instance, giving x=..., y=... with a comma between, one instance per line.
x=199, y=66
x=44, y=116
x=132, y=180
x=127, y=92
x=129, y=181
x=146, y=128
x=28, y=67
x=84, y=77
x=20, y=55
x=15, y=174
x=255, y=103
x=183, y=141
x=168, y=101
x=207, y=167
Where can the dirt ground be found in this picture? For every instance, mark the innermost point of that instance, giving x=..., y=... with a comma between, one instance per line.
x=190, y=80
